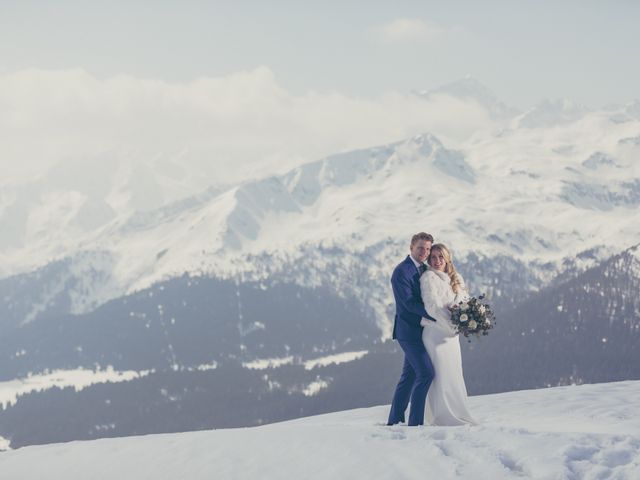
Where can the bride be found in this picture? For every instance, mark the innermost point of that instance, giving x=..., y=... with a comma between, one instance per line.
x=441, y=287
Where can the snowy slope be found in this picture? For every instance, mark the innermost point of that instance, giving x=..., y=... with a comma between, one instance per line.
x=575, y=432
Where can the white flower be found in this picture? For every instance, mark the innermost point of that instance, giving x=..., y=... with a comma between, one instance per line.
x=481, y=308
x=473, y=324
x=487, y=322
x=463, y=318
x=464, y=306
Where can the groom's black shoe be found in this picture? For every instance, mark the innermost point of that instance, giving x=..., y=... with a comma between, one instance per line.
x=389, y=424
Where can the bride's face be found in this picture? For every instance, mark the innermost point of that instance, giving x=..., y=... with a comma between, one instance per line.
x=437, y=261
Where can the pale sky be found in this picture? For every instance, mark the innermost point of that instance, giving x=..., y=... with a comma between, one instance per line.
x=267, y=85
x=523, y=50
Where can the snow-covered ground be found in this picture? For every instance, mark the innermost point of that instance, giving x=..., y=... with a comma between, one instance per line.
x=575, y=432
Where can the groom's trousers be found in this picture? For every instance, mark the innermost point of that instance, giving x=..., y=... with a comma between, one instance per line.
x=417, y=375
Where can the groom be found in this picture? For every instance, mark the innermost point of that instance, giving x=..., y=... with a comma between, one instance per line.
x=417, y=372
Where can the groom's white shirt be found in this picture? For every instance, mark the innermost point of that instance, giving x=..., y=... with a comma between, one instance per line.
x=415, y=263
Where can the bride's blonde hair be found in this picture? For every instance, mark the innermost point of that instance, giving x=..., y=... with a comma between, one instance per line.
x=456, y=283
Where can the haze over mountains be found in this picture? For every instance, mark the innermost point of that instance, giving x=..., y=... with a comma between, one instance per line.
x=216, y=294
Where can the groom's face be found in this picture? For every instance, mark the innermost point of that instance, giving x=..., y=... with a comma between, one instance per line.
x=420, y=250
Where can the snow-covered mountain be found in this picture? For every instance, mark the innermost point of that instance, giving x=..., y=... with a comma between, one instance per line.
x=549, y=113
x=470, y=89
x=586, y=431
x=576, y=330
x=79, y=196
x=272, y=295
x=534, y=195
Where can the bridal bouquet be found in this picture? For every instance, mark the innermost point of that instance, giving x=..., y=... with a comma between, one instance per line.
x=472, y=317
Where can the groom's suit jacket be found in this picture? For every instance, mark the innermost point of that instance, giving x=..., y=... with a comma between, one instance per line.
x=405, y=282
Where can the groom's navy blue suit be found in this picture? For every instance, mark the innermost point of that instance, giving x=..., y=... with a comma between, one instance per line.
x=417, y=372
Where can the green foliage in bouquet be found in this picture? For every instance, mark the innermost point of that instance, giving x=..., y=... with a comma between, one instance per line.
x=473, y=317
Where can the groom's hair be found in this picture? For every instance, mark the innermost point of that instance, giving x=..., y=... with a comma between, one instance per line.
x=421, y=236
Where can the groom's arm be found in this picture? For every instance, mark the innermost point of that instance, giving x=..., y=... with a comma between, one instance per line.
x=403, y=293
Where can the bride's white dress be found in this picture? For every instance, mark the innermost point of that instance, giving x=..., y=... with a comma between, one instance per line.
x=447, y=396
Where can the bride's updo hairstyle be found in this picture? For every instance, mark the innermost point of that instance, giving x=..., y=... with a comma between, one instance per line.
x=449, y=269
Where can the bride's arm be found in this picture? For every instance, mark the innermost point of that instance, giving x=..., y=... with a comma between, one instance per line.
x=434, y=305
x=463, y=293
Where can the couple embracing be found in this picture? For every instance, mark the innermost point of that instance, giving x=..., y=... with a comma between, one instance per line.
x=432, y=370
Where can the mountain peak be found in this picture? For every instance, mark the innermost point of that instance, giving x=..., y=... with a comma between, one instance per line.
x=550, y=112
x=469, y=88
